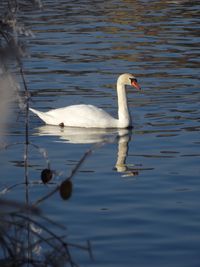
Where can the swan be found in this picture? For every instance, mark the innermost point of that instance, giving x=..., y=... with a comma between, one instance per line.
x=89, y=116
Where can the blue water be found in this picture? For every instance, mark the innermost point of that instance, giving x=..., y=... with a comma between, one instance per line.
x=136, y=197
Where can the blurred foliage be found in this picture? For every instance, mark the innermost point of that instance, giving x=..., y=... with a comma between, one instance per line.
x=12, y=28
x=25, y=235
x=25, y=238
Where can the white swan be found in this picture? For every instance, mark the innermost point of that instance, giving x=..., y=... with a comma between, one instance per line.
x=89, y=116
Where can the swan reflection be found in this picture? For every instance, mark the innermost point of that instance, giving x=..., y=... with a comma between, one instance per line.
x=75, y=135
x=121, y=165
x=91, y=136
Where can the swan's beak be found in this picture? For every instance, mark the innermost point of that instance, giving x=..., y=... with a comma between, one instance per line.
x=136, y=85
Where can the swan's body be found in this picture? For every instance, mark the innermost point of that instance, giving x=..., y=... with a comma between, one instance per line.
x=90, y=116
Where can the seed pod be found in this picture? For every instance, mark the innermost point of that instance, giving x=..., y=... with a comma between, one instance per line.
x=46, y=175
x=66, y=189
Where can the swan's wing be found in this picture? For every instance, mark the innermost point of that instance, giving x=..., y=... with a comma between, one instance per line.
x=44, y=116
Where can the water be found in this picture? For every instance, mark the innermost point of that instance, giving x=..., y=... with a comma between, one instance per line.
x=136, y=197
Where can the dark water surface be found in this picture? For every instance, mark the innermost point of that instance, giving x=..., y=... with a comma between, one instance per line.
x=137, y=197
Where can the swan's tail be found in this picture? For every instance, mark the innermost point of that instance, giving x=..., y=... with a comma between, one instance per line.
x=42, y=115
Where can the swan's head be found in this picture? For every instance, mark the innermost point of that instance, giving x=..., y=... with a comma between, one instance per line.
x=128, y=79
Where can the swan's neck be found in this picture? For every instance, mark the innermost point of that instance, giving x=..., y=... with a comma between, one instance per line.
x=123, y=111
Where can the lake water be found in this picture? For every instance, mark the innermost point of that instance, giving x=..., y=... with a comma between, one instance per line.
x=137, y=196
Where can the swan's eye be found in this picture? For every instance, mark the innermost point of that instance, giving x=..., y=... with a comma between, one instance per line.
x=133, y=80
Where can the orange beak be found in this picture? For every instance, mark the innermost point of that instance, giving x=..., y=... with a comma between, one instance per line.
x=136, y=85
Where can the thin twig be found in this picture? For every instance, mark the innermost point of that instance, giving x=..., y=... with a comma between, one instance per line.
x=49, y=232
x=42, y=239
x=19, y=206
x=46, y=196
x=73, y=172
